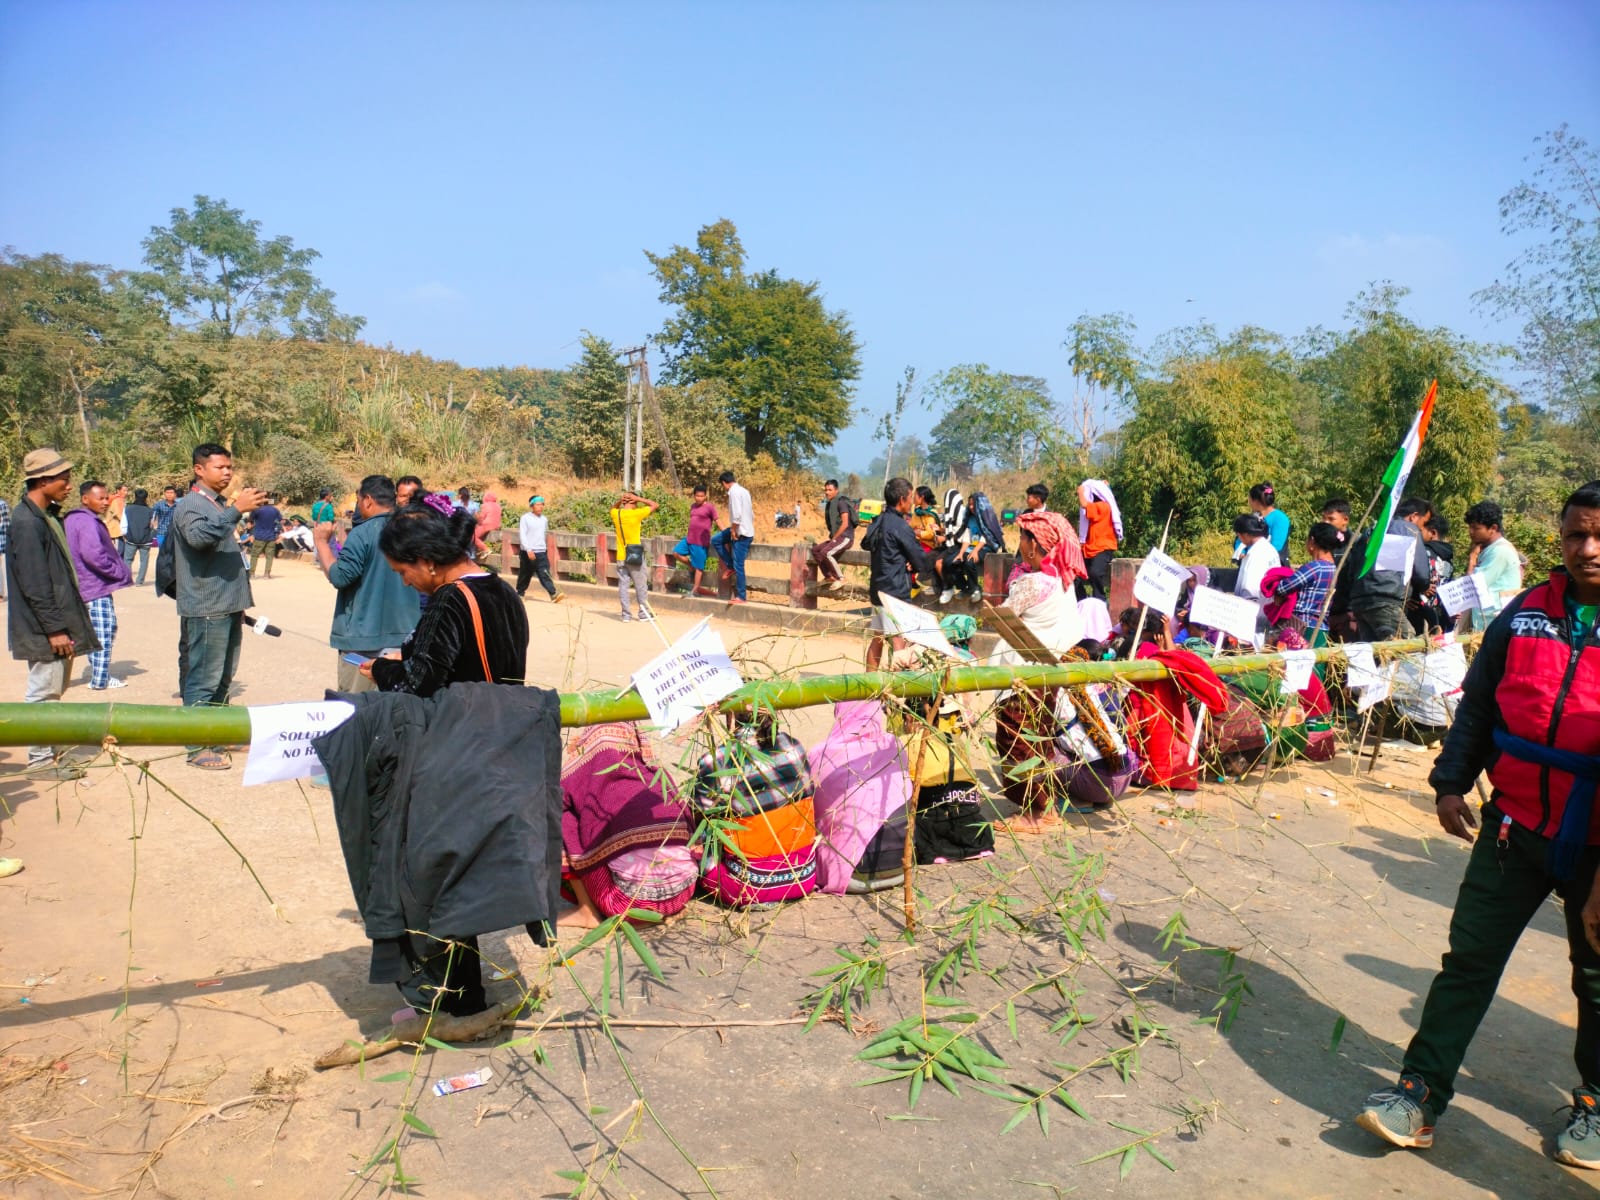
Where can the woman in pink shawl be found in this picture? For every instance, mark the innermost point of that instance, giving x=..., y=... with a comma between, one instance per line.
x=624, y=835
x=862, y=780
x=487, y=530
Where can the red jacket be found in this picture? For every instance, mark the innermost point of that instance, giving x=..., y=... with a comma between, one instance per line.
x=1529, y=679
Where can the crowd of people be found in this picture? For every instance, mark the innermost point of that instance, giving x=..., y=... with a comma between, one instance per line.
x=417, y=612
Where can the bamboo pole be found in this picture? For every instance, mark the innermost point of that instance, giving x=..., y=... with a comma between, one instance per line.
x=171, y=725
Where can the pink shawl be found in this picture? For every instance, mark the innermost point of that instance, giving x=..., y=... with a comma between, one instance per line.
x=862, y=780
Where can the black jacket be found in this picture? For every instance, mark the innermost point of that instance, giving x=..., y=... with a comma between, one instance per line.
x=1378, y=588
x=840, y=516
x=43, y=587
x=449, y=812
x=893, y=545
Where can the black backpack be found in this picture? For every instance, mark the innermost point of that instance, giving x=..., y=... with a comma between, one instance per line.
x=167, y=565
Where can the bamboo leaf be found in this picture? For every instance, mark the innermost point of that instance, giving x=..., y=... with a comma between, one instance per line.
x=1338, y=1034
x=1016, y=1119
x=430, y=1040
x=1159, y=1157
x=643, y=951
x=1011, y=1018
x=417, y=1123
x=393, y=1077
x=916, y=1089
x=1129, y=1157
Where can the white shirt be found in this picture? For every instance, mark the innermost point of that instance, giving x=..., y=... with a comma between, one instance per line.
x=531, y=533
x=741, y=512
x=1258, y=560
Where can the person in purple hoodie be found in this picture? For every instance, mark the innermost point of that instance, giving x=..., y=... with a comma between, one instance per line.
x=101, y=571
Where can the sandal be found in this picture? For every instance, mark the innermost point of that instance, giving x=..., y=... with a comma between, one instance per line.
x=211, y=760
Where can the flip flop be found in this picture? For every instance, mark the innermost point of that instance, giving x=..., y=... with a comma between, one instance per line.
x=211, y=760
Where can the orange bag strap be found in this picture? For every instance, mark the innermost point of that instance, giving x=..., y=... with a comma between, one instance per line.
x=477, y=627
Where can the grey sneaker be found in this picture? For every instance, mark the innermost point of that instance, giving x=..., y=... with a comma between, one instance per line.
x=1400, y=1115
x=1578, y=1145
x=627, y=616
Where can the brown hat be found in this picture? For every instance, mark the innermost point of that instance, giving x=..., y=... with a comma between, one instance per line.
x=42, y=464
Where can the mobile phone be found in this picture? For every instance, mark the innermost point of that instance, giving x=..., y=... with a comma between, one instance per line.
x=355, y=660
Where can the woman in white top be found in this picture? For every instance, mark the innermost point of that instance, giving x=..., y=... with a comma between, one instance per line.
x=1259, y=556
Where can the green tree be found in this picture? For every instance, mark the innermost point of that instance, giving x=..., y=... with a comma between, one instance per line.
x=594, y=391
x=1553, y=286
x=990, y=418
x=217, y=275
x=788, y=364
x=1212, y=420
x=1105, y=369
x=1370, y=381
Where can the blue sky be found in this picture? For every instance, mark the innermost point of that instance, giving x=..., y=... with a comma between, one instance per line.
x=963, y=180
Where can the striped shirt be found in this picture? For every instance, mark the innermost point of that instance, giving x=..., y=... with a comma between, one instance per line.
x=746, y=778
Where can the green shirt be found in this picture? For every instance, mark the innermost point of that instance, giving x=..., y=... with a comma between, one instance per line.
x=1501, y=570
x=322, y=511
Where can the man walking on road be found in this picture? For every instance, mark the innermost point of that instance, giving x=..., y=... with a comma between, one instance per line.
x=48, y=621
x=732, y=543
x=138, y=531
x=840, y=516
x=1530, y=716
x=533, y=550
x=101, y=572
x=375, y=611
x=213, y=586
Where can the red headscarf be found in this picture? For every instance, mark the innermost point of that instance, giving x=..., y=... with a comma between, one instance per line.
x=1058, y=540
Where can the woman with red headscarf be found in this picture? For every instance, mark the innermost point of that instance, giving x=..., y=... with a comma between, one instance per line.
x=1061, y=554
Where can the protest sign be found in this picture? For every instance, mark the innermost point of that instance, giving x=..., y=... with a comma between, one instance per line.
x=1297, y=665
x=1231, y=614
x=1463, y=593
x=917, y=625
x=1360, y=669
x=1160, y=582
x=280, y=738
x=1379, y=690
x=689, y=675
x=1396, y=553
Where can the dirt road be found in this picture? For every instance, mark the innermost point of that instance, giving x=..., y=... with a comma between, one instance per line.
x=1335, y=905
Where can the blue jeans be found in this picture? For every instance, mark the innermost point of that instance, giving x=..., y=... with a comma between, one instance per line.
x=210, y=655
x=128, y=552
x=732, y=551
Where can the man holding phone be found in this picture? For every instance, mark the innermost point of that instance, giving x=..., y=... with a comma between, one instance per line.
x=213, y=587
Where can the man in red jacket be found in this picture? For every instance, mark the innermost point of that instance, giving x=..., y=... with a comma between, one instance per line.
x=1530, y=715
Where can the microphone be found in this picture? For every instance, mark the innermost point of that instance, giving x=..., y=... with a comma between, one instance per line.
x=259, y=624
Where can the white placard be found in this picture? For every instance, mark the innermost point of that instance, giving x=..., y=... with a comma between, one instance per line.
x=689, y=675
x=1464, y=592
x=1396, y=553
x=1378, y=691
x=1231, y=614
x=280, y=738
x=1297, y=666
x=1160, y=582
x=917, y=625
x=1443, y=670
x=1360, y=670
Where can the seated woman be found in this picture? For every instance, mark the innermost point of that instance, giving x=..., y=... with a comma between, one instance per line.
x=863, y=784
x=951, y=823
x=754, y=796
x=624, y=837
x=1025, y=722
x=1161, y=727
x=925, y=523
x=475, y=628
x=1092, y=736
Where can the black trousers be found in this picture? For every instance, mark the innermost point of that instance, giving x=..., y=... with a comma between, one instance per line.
x=1503, y=887
x=528, y=566
x=1099, y=582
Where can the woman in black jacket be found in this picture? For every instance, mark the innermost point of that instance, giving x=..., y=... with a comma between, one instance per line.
x=475, y=628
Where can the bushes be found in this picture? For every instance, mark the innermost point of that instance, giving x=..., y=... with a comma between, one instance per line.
x=299, y=471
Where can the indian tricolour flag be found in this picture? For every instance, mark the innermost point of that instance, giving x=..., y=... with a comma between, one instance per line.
x=1394, y=479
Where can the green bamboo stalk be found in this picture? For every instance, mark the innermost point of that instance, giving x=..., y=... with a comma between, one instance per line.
x=169, y=725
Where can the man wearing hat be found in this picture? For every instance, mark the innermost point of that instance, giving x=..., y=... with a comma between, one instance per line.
x=48, y=621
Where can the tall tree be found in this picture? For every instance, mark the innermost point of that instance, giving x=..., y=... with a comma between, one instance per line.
x=1105, y=368
x=217, y=275
x=990, y=417
x=788, y=364
x=1553, y=286
x=594, y=392
x=1370, y=380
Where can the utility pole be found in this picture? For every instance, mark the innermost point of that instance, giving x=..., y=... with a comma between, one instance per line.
x=639, y=397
